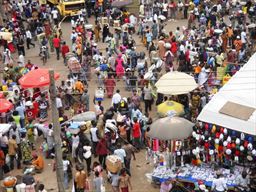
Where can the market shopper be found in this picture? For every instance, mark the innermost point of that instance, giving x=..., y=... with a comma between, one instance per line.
x=102, y=151
x=57, y=44
x=81, y=180
x=219, y=184
x=243, y=182
x=2, y=163
x=136, y=133
x=29, y=39
x=124, y=181
x=13, y=151
x=129, y=154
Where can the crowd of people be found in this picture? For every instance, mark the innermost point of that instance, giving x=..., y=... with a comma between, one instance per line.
x=218, y=39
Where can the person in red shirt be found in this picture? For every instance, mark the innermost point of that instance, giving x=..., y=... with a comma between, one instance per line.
x=136, y=133
x=174, y=47
x=102, y=151
x=56, y=44
x=64, y=51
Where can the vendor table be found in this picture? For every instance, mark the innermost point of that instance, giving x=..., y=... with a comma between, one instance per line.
x=192, y=174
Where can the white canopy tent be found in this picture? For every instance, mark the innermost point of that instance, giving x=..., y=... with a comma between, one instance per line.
x=240, y=89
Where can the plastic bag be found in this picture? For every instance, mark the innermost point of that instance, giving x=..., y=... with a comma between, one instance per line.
x=7, y=159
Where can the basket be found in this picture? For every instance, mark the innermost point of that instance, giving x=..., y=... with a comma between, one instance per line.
x=113, y=163
x=116, y=24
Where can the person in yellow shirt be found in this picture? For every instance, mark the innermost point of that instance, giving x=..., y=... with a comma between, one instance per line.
x=38, y=163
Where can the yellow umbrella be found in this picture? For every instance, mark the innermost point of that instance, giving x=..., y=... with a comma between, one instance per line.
x=170, y=108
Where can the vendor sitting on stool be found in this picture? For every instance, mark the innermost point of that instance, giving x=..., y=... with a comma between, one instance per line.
x=38, y=162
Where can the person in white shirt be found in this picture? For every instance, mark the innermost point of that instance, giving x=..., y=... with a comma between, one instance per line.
x=243, y=37
x=165, y=9
x=219, y=184
x=73, y=35
x=75, y=143
x=55, y=15
x=142, y=12
x=120, y=153
x=21, y=61
x=66, y=164
x=116, y=99
x=59, y=105
x=133, y=20
x=94, y=136
x=29, y=39
x=243, y=182
x=182, y=48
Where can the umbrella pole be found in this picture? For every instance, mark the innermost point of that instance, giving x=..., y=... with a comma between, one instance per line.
x=171, y=153
x=56, y=134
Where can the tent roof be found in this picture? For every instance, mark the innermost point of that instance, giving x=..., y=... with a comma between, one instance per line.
x=240, y=89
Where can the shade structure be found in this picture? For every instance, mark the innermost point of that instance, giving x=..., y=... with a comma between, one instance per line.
x=86, y=116
x=240, y=89
x=37, y=78
x=176, y=83
x=5, y=105
x=170, y=108
x=121, y=3
x=171, y=128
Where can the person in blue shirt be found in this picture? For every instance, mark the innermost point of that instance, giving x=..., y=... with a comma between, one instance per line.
x=149, y=38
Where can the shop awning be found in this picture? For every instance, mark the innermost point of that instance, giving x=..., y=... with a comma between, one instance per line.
x=234, y=106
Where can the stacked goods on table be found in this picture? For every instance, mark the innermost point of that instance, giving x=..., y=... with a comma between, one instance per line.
x=113, y=163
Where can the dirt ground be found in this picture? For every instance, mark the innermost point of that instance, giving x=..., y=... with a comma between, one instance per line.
x=139, y=167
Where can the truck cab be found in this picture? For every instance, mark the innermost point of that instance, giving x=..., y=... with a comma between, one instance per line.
x=68, y=7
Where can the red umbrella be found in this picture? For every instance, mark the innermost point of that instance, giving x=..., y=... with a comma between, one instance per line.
x=36, y=78
x=5, y=105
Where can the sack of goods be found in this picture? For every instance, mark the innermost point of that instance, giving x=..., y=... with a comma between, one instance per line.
x=99, y=94
x=113, y=163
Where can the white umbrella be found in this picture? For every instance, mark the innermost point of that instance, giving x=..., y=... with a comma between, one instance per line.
x=88, y=26
x=86, y=116
x=218, y=31
x=176, y=83
x=252, y=25
x=162, y=17
x=170, y=128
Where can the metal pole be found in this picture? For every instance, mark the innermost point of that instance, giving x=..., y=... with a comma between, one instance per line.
x=56, y=134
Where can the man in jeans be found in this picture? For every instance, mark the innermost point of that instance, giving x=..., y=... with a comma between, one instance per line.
x=56, y=44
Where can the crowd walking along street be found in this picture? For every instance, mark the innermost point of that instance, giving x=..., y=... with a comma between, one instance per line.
x=128, y=96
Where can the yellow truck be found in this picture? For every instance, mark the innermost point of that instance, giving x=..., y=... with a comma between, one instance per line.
x=68, y=7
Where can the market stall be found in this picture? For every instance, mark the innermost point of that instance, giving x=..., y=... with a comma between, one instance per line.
x=193, y=174
x=170, y=144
